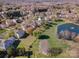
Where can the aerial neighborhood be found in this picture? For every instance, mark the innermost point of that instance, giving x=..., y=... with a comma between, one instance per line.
x=39, y=30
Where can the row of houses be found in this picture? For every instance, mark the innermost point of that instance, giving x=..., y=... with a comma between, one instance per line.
x=34, y=24
x=20, y=33
x=5, y=43
x=10, y=22
x=64, y=14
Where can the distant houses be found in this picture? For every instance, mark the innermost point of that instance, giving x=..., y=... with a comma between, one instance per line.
x=19, y=20
x=2, y=15
x=67, y=16
x=11, y=17
x=39, y=21
x=29, y=28
x=2, y=26
x=7, y=23
x=10, y=23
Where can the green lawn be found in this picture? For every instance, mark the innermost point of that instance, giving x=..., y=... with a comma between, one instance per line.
x=2, y=30
x=54, y=42
x=27, y=42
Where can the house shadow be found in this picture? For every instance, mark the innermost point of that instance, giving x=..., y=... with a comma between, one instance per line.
x=16, y=43
x=42, y=37
x=25, y=35
x=59, y=20
x=55, y=51
x=29, y=54
x=49, y=25
x=3, y=54
x=54, y=23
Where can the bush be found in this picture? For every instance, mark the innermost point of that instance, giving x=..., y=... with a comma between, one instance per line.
x=20, y=51
x=55, y=51
x=10, y=51
x=2, y=54
x=58, y=20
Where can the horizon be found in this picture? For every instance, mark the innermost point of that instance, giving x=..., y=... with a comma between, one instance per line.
x=32, y=1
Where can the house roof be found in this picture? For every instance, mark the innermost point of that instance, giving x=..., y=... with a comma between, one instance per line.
x=9, y=42
x=20, y=33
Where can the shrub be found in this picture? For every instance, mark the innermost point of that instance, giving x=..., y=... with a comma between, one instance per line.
x=2, y=54
x=54, y=51
x=10, y=51
x=20, y=51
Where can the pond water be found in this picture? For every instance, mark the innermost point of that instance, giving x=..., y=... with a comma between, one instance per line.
x=68, y=26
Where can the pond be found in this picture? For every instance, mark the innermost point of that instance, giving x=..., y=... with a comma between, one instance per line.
x=68, y=29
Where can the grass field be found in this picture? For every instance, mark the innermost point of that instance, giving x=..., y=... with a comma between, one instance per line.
x=27, y=42
x=54, y=42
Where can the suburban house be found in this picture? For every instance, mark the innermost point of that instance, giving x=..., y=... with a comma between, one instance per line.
x=33, y=24
x=48, y=20
x=4, y=44
x=39, y=21
x=10, y=23
x=29, y=27
x=2, y=15
x=19, y=20
x=20, y=34
x=3, y=25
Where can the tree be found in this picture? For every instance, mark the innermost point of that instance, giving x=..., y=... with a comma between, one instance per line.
x=54, y=51
x=10, y=51
x=37, y=34
x=21, y=51
x=2, y=53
